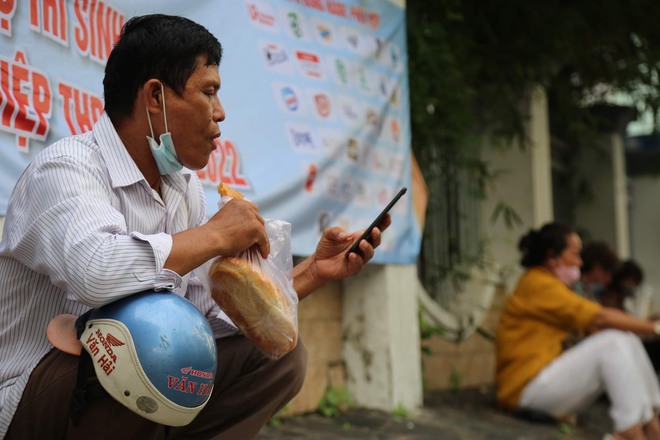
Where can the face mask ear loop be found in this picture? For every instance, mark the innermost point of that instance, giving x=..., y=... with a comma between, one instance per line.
x=162, y=88
x=149, y=119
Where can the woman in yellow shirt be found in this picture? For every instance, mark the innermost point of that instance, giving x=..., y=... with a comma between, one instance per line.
x=535, y=372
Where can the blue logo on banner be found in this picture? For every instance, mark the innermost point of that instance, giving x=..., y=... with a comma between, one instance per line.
x=290, y=98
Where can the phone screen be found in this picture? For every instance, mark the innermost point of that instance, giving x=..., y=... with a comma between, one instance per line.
x=383, y=213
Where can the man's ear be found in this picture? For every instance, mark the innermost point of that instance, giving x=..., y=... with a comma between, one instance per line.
x=152, y=96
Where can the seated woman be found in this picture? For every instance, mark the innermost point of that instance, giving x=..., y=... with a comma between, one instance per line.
x=535, y=373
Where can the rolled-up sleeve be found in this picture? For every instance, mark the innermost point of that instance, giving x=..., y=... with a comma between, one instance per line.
x=96, y=242
x=161, y=245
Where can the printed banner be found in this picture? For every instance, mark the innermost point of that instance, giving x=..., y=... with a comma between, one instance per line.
x=316, y=95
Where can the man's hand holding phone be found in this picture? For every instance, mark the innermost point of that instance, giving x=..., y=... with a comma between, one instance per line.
x=378, y=221
x=331, y=262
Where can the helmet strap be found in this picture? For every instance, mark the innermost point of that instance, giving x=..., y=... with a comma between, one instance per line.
x=87, y=385
x=79, y=396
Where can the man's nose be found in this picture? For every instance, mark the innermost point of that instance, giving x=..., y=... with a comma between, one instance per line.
x=218, y=111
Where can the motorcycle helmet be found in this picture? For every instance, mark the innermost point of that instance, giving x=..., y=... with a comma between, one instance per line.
x=154, y=352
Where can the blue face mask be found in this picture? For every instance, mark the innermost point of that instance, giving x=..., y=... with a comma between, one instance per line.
x=164, y=154
x=596, y=288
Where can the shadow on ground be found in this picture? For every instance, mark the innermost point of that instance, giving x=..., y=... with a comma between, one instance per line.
x=468, y=414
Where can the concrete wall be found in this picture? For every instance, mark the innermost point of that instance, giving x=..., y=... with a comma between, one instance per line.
x=605, y=217
x=524, y=184
x=468, y=363
x=320, y=327
x=363, y=334
x=645, y=239
x=381, y=337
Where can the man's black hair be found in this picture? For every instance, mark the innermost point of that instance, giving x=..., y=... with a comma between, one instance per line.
x=157, y=46
x=629, y=270
x=601, y=254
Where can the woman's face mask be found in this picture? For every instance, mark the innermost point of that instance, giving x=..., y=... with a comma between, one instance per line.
x=164, y=154
x=567, y=274
x=567, y=264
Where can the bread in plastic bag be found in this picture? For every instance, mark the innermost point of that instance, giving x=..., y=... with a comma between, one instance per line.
x=256, y=293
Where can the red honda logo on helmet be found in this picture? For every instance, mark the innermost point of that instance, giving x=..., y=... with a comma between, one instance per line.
x=112, y=340
x=191, y=371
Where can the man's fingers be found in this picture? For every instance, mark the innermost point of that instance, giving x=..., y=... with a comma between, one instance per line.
x=335, y=233
x=385, y=223
x=264, y=244
x=367, y=250
x=376, y=237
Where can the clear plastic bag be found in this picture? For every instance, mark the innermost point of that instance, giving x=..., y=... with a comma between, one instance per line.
x=257, y=294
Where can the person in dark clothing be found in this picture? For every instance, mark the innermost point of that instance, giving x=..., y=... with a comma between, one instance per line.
x=625, y=284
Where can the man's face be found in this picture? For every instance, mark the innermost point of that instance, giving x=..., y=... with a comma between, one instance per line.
x=599, y=275
x=193, y=117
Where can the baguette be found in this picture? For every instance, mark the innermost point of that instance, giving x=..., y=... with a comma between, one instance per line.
x=255, y=304
x=226, y=190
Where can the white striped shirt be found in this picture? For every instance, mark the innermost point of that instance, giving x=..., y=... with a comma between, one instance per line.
x=83, y=229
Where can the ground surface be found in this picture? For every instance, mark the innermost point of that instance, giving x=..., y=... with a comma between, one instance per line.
x=465, y=415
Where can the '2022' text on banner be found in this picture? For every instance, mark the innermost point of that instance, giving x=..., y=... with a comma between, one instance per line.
x=316, y=94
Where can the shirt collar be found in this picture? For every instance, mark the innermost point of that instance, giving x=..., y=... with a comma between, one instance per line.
x=121, y=167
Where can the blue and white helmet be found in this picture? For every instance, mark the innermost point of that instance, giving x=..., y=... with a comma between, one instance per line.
x=153, y=352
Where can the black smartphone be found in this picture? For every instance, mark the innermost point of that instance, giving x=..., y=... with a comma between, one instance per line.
x=367, y=233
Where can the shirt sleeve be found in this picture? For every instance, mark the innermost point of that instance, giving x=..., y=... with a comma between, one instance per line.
x=71, y=227
x=559, y=306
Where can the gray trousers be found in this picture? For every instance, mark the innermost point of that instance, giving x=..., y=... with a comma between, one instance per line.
x=249, y=389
